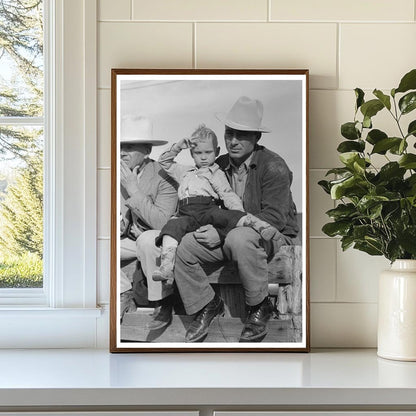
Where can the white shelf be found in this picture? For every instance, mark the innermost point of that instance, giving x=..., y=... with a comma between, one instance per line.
x=335, y=378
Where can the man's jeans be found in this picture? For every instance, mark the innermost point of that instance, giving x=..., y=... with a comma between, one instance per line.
x=244, y=247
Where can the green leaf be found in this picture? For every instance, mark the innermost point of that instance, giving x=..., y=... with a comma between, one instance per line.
x=411, y=130
x=371, y=108
x=325, y=186
x=369, y=248
x=369, y=201
x=350, y=146
x=374, y=136
x=348, y=158
x=367, y=122
x=349, y=131
x=338, y=171
x=352, y=186
x=408, y=161
x=385, y=99
x=359, y=95
x=383, y=145
x=359, y=166
x=408, y=82
x=391, y=170
x=342, y=211
x=375, y=212
x=333, y=229
x=408, y=102
x=398, y=149
x=402, y=147
x=361, y=231
x=393, y=250
x=407, y=240
x=346, y=242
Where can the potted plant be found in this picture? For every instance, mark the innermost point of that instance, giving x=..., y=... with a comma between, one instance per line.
x=376, y=209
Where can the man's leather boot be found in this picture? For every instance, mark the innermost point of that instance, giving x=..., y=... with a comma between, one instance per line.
x=127, y=303
x=162, y=315
x=202, y=321
x=256, y=323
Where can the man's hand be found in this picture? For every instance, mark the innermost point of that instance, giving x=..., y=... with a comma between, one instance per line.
x=123, y=224
x=128, y=179
x=208, y=236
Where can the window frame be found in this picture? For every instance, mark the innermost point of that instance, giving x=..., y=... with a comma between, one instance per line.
x=70, y=168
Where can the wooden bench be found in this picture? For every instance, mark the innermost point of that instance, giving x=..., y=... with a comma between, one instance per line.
x=285, y=291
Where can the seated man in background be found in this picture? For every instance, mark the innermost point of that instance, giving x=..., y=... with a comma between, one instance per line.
x=148, y=199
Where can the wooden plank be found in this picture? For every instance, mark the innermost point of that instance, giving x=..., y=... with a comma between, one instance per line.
x=281, y=268
x=134, y=329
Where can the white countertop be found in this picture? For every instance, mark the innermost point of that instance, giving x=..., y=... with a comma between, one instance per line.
x=96, y=377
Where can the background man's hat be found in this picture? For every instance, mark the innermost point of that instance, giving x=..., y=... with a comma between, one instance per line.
x=137, y=129
x=246, y=114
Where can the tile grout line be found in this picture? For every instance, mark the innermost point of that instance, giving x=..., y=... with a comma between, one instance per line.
x=306, y=22
x=269, y=11
x=131, y=9
x=338, y=63
x=351, y=302
x=336, y=271
x=194, y=63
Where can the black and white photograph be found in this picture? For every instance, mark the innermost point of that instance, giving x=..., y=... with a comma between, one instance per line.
x=209, y=215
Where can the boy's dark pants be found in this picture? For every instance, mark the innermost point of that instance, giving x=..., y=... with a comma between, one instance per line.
x=197, y=211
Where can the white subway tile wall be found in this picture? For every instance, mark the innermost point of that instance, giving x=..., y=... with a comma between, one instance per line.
x=142, y=45
x=114, y=10
x=104, y=128
x=323, y=269
x=104, y=202
x=270, y=45
x=345, y=44
x=355, y=10
x=200, y=10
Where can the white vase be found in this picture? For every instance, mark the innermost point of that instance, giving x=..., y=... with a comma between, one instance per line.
x=397, y=312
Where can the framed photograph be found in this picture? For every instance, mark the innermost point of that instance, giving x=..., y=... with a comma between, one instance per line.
x=209, y=213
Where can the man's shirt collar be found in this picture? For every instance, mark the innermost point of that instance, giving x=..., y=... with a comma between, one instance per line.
x=247, y=163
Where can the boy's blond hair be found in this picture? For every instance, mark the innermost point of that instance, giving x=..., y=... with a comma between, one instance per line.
x=204, y=134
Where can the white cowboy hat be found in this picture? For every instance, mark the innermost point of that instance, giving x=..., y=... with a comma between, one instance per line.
x=138, y=129
x=246, y=114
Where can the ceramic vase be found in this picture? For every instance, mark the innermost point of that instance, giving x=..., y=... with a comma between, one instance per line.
x=397, y=312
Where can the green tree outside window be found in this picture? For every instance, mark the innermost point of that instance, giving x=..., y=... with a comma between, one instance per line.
x=21, y=143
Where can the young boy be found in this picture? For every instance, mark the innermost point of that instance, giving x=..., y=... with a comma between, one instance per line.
x=202, y=188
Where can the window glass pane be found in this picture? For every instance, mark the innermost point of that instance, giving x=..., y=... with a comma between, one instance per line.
x=21, y=209
x=21, y=145
x=21, y=58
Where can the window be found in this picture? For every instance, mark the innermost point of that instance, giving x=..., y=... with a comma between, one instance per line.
x=22, y=129
x=63, y=312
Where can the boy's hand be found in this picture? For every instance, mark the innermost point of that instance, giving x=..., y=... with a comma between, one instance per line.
x=192, y=142
x=182, y=144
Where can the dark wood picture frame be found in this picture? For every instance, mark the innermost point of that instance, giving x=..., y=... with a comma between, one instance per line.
x=132, y=90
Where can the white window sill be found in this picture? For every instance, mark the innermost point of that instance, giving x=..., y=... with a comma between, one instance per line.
x=40, y=327
x=331, y=379
x=35, y=311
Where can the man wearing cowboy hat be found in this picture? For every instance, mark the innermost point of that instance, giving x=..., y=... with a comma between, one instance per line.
x=262, y=180
x=148, y=199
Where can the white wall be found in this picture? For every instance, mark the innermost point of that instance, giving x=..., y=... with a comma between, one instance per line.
x=345, y=44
